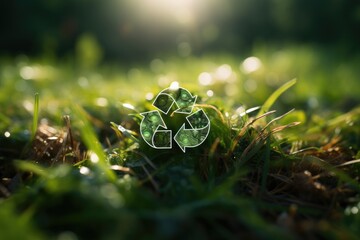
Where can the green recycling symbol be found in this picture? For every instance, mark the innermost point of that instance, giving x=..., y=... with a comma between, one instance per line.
x=184, y=137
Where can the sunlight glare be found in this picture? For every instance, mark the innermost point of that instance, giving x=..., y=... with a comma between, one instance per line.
x=182, y=10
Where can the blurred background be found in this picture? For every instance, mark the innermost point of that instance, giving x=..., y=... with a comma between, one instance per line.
x=130, y=30
x=241, y=49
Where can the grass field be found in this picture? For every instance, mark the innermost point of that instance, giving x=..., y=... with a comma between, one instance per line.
x=281, y=159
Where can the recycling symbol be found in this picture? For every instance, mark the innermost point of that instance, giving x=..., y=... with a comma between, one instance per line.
x=184, y=137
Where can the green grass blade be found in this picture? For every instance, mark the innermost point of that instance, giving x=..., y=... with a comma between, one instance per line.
x=274, y=96
x=92, y=143
x=36, y=116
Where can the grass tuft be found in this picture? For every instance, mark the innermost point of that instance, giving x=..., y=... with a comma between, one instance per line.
x=255, y=176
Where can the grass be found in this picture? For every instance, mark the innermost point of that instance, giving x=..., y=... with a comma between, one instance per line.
x=36, y=116
x=264, y=172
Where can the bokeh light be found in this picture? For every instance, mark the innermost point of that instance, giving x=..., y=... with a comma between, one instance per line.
x=84, y=170
x=7, y=134
x=223, y=72
x=94, y=158
x=174, y=85
x=205, y=79
x=210, y=93
x=251, y=64
x=101, y=102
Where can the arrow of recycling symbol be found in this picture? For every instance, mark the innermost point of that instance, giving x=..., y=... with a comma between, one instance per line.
x=196, y=135
x=185, y=138
x=149, y=130
x=181, y=97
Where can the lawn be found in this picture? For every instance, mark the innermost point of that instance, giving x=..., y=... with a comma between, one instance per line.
x=281, y=159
